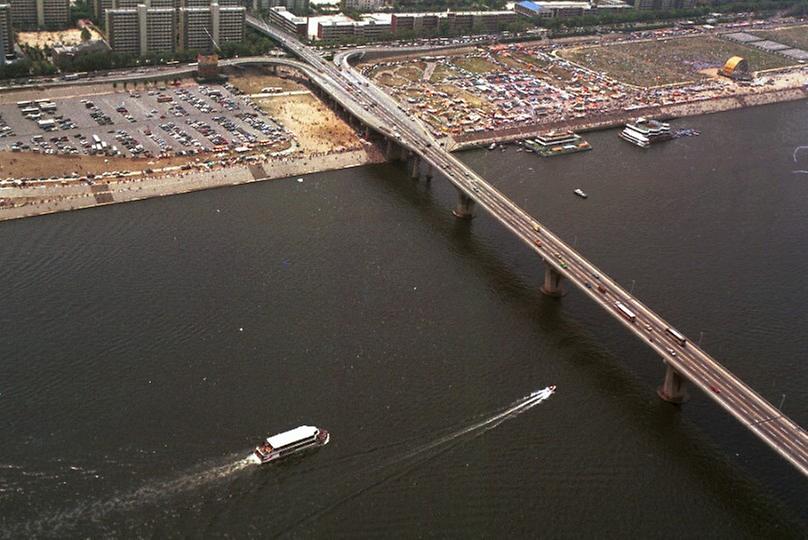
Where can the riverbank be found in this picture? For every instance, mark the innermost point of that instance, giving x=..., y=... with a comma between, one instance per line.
x=29, y=201
x=619, y=119
x=316, y=140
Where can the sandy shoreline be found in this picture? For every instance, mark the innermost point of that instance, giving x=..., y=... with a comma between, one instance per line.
x=42, y=200
x=52, y=199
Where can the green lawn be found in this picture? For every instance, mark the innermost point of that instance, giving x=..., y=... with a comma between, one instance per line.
x=796, y=36
x=475, y=65
x=651, y=63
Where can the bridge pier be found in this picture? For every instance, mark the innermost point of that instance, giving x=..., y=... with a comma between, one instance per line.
x=391, y=151
x=465, y=206
x=673, y=388
x=552, y=282
x=415, y=167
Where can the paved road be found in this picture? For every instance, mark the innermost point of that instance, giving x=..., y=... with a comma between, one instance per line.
x=365, y=100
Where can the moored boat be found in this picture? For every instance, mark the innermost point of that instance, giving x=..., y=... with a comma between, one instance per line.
x=644, y=133
x=557, y=143
x=288, y=443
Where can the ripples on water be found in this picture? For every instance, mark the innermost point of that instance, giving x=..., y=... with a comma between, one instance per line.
x=356, y=479
x=143, y=343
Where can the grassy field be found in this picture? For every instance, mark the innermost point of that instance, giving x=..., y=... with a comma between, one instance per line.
x=441, y=73
x=475, y=65
x=796, y=36
x=651, y=63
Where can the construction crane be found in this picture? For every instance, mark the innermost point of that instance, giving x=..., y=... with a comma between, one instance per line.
x=208, y=65
x=215, y=45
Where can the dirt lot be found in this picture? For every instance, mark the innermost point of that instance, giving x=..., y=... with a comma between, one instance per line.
x=796, y=36
x=315, y=126
x=652, y=63
x=30, y=165
x=253, y=80
x=49, y=39
x=14, y=96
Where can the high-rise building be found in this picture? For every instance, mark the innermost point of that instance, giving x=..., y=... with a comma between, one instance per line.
x=142, y=30
x=6, y=33
x=157, y=26
x=33, y=14
x=200, y=28
x=100, y=8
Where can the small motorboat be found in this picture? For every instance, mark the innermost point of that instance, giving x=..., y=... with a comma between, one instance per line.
x=580, y=193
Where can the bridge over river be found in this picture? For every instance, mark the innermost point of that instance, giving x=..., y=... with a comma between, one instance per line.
x=684, y=360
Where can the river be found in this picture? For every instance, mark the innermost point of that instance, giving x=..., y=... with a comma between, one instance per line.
x=146, y=347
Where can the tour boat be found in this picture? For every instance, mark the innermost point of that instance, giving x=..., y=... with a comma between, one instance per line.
x=580, y=193
x=288, y=443
x=645, y=132
x=557, y=143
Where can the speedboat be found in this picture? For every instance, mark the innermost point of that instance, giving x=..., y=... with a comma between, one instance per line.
x=544, y=392
x=288, y=443
x=580, y=193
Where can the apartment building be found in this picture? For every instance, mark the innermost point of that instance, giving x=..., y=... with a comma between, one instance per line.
x=202, y=27
x=6, y=33
x=457, y=21
x=288, y=21
x=142, y=30
x=33, y=14
x=370, y=27
x=159, y=26
x=420, y=23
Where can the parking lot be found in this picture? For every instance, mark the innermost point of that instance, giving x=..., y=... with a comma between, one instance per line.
x=181, y=120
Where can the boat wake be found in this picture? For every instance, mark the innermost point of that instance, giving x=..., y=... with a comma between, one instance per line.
x=99, y=512
x=400, y=465
x=96, y=511
x=478, y=428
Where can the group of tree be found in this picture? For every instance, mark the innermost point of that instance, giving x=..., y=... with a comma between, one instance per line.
x=37, y=62
x=81, y=9
x=630, y=17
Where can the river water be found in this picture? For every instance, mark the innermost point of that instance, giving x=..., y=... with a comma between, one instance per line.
x=146, y=347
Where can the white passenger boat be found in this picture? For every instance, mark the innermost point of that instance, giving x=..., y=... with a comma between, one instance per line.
x=580, y=193
x=645, y=132
x=288, y=443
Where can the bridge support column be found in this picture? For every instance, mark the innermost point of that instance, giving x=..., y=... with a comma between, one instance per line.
x=391, y=150
x=415, y=167
x=552, y=282
x=465, y=206
x=673, y=389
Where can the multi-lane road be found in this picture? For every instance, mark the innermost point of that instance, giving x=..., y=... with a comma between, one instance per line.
x=378, y=110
